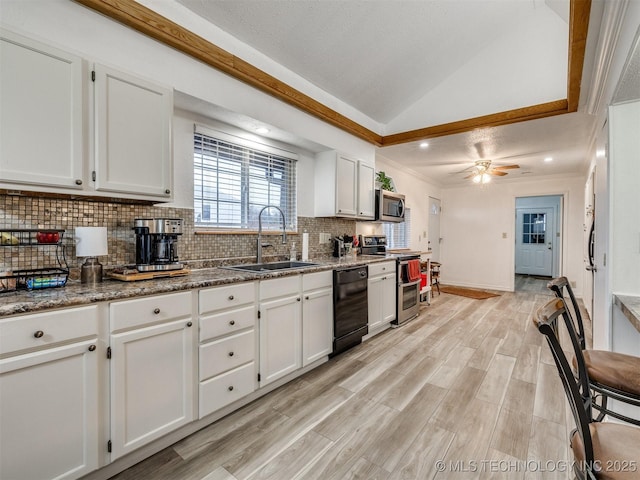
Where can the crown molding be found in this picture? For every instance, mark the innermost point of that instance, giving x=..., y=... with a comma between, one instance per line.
x=154, y=25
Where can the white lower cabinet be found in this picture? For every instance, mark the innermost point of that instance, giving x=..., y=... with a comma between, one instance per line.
x=152, y=369
x=228, y=344
x=317, y=316
x=49, y=395
x=382, y=295
x=280, y=328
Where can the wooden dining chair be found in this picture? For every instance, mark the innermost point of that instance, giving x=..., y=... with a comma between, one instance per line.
x=611, y=375
x=602, y=450
x=435, y=275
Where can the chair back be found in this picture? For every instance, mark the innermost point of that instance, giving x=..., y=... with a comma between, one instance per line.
x=558, y=285
x=545, y=320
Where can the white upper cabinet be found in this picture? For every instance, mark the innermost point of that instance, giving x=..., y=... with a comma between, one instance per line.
x=344, y=187
x=133, y=134
x=41, y=119
x=366, y=191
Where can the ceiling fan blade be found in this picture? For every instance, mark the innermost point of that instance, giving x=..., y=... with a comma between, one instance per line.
x=505, y=167
x=470, y=176
x=496, y=172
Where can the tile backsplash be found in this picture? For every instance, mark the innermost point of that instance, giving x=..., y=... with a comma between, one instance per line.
x=197, y=250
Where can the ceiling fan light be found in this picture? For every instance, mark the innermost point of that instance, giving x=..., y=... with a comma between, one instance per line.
x=486, y=178
x=476, y=178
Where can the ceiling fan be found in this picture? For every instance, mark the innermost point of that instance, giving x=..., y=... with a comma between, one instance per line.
x=483, y=170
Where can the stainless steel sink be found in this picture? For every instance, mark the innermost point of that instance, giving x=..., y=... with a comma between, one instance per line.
x=270, y=267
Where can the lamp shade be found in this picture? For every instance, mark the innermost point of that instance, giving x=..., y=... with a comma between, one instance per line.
x=91, y=241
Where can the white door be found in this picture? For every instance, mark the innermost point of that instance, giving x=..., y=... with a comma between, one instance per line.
x=41, y=118
x=317, y=325
x=534, y=241
x=587, y=248
x=133, y=134
x=434, y=228
x=280, y=338
x=49, y=413
x=346, y=186
x=152, y=383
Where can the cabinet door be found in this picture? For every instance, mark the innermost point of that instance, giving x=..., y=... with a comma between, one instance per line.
x=41, y=93
x=152, y=383
x=49, y=413
x=280, y=338
x=389, y=292
x=366, y=191
x=346, y=186
x=317, y=325
x=375, y=302
x=133, y=135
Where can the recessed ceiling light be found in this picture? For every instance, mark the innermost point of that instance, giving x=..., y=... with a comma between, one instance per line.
x=262, y=130
x=548, y=159
x=424, y=144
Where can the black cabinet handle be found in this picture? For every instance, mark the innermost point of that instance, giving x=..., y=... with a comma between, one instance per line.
x=156, y=311
x=232, y=322
x=189, y=324
x=78, y=182
x=230, y=388
x=39, y=334
x=92, y=348
x=230, y=297
x=231, y=354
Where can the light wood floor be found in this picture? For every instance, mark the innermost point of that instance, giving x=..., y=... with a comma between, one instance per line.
x=470, y=383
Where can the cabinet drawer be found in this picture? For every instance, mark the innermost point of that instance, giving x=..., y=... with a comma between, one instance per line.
x=382, y=268
x=280, y=287
x=226, y=388
x=144, y=311
x=311, y=281
x=224, y=323
x=219, y=298
x=47, y=328
x=227, y=353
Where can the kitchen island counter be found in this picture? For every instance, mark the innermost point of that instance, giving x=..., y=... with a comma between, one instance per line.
x=76, y=293
x=630, y=307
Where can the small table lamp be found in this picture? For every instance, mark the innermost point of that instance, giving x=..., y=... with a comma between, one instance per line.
x=91, y=242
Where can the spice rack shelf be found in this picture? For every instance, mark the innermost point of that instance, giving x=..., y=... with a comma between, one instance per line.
x=32, y=259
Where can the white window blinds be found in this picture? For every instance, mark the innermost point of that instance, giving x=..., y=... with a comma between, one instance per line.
x=235, y=178
x=398, y=234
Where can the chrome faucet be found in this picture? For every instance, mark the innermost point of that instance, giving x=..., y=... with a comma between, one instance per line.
x=260, y=245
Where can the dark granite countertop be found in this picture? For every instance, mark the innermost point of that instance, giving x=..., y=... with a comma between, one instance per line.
x=630, y=306
x=75, y=293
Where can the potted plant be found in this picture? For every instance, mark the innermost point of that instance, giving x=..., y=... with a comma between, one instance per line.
x=384, y=182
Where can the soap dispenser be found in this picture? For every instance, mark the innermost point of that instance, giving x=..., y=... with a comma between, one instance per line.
x=292, y=254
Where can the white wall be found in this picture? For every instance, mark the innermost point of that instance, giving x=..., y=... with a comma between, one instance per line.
x=417, y=191
x=74, y=28
x=474, y=219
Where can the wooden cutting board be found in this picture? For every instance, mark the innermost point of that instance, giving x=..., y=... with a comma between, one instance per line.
x=135, y=276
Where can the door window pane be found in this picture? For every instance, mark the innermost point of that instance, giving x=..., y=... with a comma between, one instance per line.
x=534, y=228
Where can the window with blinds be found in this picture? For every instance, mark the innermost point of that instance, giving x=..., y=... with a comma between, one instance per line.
x=234, y=179
x=398, y=234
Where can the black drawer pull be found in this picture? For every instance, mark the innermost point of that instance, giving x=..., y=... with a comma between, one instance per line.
x=230, y=297
x=189, y=324
x=92, y=348
x=231, y=354
x=230, y=388
x=39, y=334
x=156, y=311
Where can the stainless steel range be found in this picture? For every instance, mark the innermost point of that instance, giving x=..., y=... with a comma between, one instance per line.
x=408, y=291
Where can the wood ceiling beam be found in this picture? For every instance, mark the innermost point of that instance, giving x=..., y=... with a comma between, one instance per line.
x=156, y=26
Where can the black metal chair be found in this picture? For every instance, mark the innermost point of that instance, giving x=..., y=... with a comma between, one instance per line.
x=435, y=275
x=610, y=375
x=602, y=450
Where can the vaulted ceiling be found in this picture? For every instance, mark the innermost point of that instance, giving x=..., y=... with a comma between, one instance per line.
x=476, y=78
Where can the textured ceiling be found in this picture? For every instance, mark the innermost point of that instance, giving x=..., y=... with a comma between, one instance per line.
x=412, y=64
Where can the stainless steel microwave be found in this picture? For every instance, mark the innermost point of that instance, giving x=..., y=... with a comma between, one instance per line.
x=389, y=206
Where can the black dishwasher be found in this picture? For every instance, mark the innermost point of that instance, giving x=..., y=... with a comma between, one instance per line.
x=350, y=307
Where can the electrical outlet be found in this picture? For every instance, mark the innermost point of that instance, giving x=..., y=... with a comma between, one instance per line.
x=573, y=284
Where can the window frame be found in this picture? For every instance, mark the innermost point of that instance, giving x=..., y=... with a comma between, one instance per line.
x=248, y=155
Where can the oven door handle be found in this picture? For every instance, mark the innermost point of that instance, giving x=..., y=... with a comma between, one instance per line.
x=410, y=284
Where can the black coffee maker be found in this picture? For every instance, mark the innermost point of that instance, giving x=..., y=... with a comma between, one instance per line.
x=156, y=243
